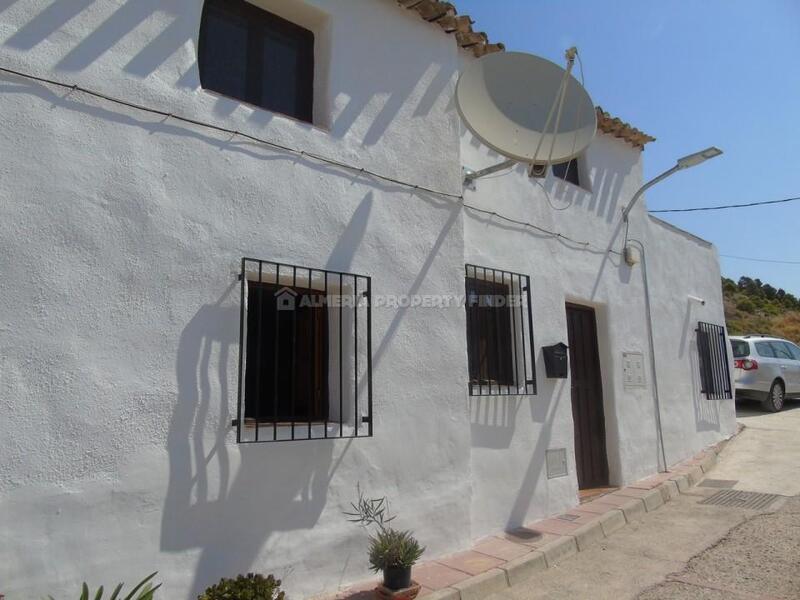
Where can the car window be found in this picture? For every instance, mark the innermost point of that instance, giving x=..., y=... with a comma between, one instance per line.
x=794, y=350
x=764, y=349
x=781, y=351
x=740, y=348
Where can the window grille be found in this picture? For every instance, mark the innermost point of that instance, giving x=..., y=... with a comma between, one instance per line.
x=499, y=332
x=712, y=351
x=305, y=353
x=252, y=55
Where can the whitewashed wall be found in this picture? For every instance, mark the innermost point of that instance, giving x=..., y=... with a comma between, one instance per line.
x=510, y=435
x=120, y=233
x=119, y=238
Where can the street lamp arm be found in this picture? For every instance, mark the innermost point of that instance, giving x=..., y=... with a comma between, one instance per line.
x=647, y=186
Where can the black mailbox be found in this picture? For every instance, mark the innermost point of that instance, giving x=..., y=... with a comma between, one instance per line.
x=555, y=360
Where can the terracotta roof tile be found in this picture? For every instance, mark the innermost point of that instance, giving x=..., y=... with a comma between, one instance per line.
x=446, y=16
x=619, y=128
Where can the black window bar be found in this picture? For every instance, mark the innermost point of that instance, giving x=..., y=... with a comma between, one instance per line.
x=499, y=332
x=305, y=353
x=712, y=352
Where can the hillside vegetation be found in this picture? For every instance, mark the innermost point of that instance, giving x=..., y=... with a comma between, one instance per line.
x=755, y=307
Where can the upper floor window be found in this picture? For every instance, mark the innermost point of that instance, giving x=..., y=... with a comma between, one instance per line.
x=252, y=55
x=568, y=171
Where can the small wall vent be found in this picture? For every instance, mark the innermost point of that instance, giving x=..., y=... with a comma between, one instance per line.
x=556, y=462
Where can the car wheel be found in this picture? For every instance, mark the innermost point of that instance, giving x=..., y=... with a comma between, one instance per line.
x=774, y=400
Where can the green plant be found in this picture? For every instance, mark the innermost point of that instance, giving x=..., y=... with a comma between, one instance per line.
x=393, y=548
x=388, y=547
x=370, y=511
x=245, y=587
x=144, y=588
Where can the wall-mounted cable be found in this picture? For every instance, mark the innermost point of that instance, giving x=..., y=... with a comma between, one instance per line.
x=576, y=244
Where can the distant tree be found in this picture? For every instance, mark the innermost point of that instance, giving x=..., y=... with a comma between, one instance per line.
x=745, y=283
x=769, y=291
x=728, y=285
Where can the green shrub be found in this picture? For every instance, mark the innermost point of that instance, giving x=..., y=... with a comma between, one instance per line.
x=245, y=587
x=746, y=305
x=144, y=588
x=392, y=548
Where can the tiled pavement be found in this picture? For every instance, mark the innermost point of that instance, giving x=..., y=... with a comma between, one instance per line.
x=497, y=562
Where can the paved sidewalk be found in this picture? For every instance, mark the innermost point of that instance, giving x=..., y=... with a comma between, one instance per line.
x=691, y=550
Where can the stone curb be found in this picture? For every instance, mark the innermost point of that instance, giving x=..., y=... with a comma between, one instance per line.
x=523, y=568
x=557, y=550
x=653, y=500
x=588, y=534
x=444, y=594
x=612, y=521
x=633, y=510
x=483, y=585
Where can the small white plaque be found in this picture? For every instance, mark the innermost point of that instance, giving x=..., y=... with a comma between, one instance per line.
x=633, y=369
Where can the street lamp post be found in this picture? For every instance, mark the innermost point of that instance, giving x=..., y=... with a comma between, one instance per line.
x=683, y=163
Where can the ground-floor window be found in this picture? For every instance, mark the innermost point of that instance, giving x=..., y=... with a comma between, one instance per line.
x=715, y=375
x=499, y=332
x=305, y=353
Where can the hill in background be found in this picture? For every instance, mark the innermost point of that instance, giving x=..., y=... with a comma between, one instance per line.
x=755, y=307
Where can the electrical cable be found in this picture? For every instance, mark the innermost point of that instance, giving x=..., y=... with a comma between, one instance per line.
x=763, y=260
x=297, y=152
x=725, y=206
x=235, y=133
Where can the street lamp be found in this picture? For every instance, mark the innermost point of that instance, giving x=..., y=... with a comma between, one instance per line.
x=683, y=163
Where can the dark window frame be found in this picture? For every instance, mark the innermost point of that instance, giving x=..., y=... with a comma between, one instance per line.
x=499, y=332
x=568, y=171
x=334, y=292
x=712, y=354
x=261, y=25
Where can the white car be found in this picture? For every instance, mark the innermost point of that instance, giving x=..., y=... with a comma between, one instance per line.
x=766, y=369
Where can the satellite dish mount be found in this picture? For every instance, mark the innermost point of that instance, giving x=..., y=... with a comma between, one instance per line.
x=502, y=99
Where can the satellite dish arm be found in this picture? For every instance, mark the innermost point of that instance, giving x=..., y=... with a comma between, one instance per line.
x=557, y=106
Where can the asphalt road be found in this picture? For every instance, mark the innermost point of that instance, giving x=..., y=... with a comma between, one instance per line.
x=687, y=549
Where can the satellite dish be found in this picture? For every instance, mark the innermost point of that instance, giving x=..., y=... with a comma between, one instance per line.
x=507, y=98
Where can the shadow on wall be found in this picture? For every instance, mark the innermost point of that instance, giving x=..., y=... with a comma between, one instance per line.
x=493, y=420
x=706, y=412
x=182, y=25
x=226, y=519
x=542, y=411
x=277, y=487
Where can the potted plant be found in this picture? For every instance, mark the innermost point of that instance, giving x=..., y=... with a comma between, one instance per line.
x=392, y=551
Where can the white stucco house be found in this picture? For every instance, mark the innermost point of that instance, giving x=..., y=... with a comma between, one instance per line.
x=162, y=339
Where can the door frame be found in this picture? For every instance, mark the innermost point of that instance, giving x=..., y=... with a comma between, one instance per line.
x=584, y=429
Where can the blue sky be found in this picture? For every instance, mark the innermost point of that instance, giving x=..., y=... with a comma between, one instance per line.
x=692, y=74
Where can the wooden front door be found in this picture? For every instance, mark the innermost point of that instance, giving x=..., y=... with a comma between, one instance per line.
x=587, y=398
